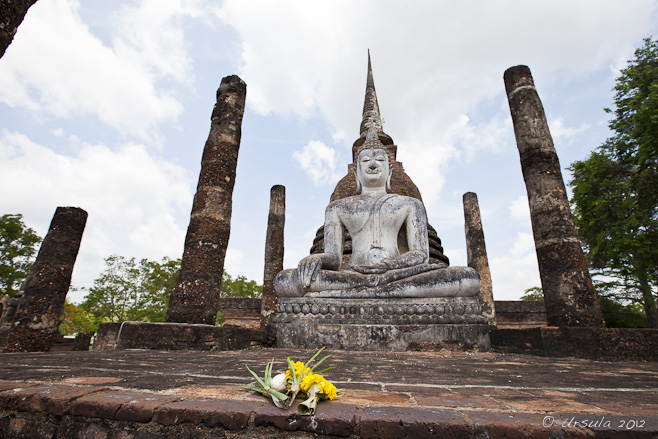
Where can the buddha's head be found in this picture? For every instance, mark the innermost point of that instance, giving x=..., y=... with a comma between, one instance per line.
x=373, y=169
x=373, y=165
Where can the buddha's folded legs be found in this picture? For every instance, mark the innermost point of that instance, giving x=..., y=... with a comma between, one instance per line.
x=424, y=280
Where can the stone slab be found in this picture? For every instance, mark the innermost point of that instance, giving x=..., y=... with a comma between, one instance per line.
x=303, y=333
x=331, y=418
x=50, y=399
x=417, y=423
x=606, y=344
x=232, y=415
x=120, y=406
x=182, y=336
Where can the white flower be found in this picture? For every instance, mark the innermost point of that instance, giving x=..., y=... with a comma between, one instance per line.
x=279, y=384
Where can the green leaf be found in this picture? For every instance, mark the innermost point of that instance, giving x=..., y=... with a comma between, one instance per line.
x=258, y=380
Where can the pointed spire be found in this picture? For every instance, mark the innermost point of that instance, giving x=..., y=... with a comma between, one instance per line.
x=371, y=116
x=372, y=131
x=370, y=105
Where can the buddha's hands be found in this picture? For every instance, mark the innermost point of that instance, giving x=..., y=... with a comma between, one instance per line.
x=308, y=269
x=408, y=259
x=380, y=268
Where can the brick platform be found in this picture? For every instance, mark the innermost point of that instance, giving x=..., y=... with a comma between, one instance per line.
x=177, y=394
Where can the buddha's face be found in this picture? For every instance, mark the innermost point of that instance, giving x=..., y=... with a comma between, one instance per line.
x=372, y=168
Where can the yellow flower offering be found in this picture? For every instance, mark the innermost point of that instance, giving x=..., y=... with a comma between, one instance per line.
x=325, y=386
x=299, y=367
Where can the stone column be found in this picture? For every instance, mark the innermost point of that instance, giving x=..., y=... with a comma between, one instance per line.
x=12, y=13
x=476, y=253
x=568, y=292
x=40, y=311
x=273, y=249
x=196, y=295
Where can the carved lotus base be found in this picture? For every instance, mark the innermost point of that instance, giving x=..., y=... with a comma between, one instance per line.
x=380, y=325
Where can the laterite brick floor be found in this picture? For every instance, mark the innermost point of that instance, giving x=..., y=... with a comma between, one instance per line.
x=388, y=395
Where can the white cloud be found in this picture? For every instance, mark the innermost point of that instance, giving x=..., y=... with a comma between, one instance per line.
x=56, y=66
x=234, y=262
x=492, y=136
x=559, y=131
x=149, y=33
x=318, y=161
x=517, y=271
x=297, y=64
x=519, y=209
x=134, y=199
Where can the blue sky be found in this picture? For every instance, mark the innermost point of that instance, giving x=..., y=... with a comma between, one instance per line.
x=106, y=105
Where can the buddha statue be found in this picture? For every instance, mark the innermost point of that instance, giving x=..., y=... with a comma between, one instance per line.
x=390, y=250
x=377, y=278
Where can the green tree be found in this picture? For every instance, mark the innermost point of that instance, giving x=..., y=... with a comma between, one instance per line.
x=128, y=291
x=534, y=293
x=18, y=245
x=76, y=320
x=615, y=191
x=239, y=287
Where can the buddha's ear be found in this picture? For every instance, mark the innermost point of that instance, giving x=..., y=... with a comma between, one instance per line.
x=358, y=183
x=388, y=180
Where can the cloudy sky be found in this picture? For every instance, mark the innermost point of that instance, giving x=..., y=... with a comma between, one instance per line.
x=106, y=105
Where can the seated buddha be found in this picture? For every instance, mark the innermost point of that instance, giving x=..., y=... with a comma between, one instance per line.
x=378, y=268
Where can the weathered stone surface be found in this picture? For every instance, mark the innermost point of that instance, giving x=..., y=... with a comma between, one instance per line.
x=22, y=427
x=455, y=400
x=476, y=254
x=106, y=336
x=417, y=423
x=568, y=291
x=232, y=415
x=402, y=311
x=521, y=425
x=196, y=295
x=519, y=314
x=499, y=395
x=241, y=311
x=121, y=406
x=82, y=341
x=331, y=418
x=12, y=13
x=384, y=324
x=8, y=307
x=143, y=335
x=273, y=250
x=39, y=312
x=382, y=337
x=50, y=399
x=605, y=344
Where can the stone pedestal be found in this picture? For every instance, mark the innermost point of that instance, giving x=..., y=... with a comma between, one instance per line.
x=381, y=325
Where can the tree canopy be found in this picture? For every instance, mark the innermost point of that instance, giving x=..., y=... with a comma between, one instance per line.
x=615, y=191
x=239, y=287
x=18, y=246
x=128, y=291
